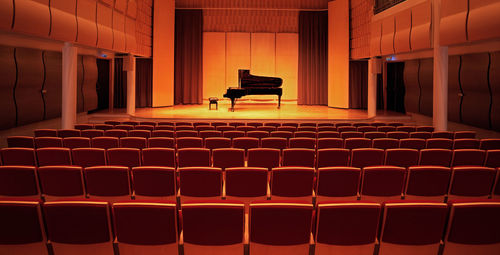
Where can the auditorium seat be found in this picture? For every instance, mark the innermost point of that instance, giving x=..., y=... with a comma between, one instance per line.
x=108, y=183
x=374, y=135
x=386, y=129
x=183, y=124
x=282, y=134
x=427, y=183
x=490, y=144
x=299, y=157
x=401, y=157
x=272, y=124
x=350, y=134
x=53, y=156
x=356, y=143
x=139, y=133
x=303, y=142
x=61, y=182
x=307, y=124
x=22, y=230
x=264, y=157
x=421, y=135
x=185, y=133
x=343, y=129
x=46, y=141
x=338, y=184
x=472, y=182
x=258, y=134
x=228, y=157
x=76, y=142
x=225, y=128
x=18, y=182
x=154, y=182
x=189, y=142
x=347, y=228
x=295, y=183
x=495, y=193
x=112, y=122
x=492, y=158
x=274, y=142
x=105, y=142
x=245, y=143
x=465, y=143
x=330, y=143
x=306, y=129
x=343, y=124
x=218, y=123
x=443, y=134
x=166, y=123
x=45, y=132
x=130, y=122
x=217, y=227
x=385, y=143
x=201, y=123
x=104, y=126
x=200, y=183
x=233, y=134
x=333, y=157
x=133, y=142
x=84, y=126
x=217, y=142
x=86, y=157
x=266, y=128
x=193, y=157
x=79, y=227
x=161, y=142
x=326, y=129
x=473, y=228
x=395, y=124
x=406, y=129
x=398, y=135
x=285, y=128
x=425, y=129
x=148, y=123
x=378, y=124
x=18, y=156
x=464, y=135
x=245, y=128
x=246, y=184
x=468, y=157
x=164, y=128
x=328, y=134
x=210, y=133
x=201, y=128
x=91, y=133
x=158, y=157
x=163, y=133
x=439, y=143
x=365, y=129
x=435, y=157
x=412, y=228
x=68, y=133
x=128, y=157
x=146, y=228
x=325, y=124
x=116, y=133
x=382, y=183
x=144, y=127
x=305, y=134
x=280, y=228
x=367, y=157
x=20, y=142
x=412, y=143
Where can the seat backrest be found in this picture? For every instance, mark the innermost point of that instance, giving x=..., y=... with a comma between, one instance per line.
x=246, y=128
x=116, y=133
x=246, y=181
x=310, y=134
x=107, y=181
x=90, y=133
x=407, y=129
x=366, y=129
x=367, y=157
x=386, y=129
x=233, y=134
x=439, y=143
x=466, y=143
x=425, y=129
x=274, y=142
x=139, y=133
x=210, y=133
x=133, y=142
x=443, y=134
x=22, y=224
x=20, y=142
x=228, y=157
x=163, y=133
x=200, y=181
x=45, y=132
x=299, y=157
x=351, y=134
x=421, y=135
x=290, y=129
x=161, y=142
x=354, y=143
x=61, y=181
x=435, y=157
x=283, y=134
x=258, y=134
x=217, y=142
x=342, y=129
x=401, y=157
x=186, y=133
x=303, y=142
x=68, y=133
x=18, y=156
x=385, y=143
x=383, y=181
x=264, y=157
x=189, y=142
x=144, y=127
x=329, y=143
x=158, y=157
x=105, y=142
x=338, y=182
x=105, y=126
x=128, y=157
x=374, y=135
x=490, y=144
x=193, y=157
x=225, y=128
x=292, y=182
x=492, y=158
x=44, y=142
x=84, y=126
x=76, y=142
x=472, y=181
x=412, y=143
x=19, y=182
x=245, y=143
x=266, y=128
x=427, y=182
x=468, y=157
x=464, y=135
x=124, y=127
x=86, y=157
x=398, y=135
x=333, y=157
x=53, y=156
x=154, y=181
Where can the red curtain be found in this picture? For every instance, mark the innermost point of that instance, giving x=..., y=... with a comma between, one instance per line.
x=313, y=58
x=144, y=82
x=188, y=57
x=358, y=84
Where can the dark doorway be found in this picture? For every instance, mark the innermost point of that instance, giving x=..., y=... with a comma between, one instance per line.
x=358, y=84
x=102, y=84
x=395, y=87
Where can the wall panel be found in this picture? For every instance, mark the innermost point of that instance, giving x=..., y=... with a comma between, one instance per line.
x=104, y=26
x=8, y=74
x=79, y=84
x=118, y=31
x=495, y=90
x=474, y=80
x=412, y=86
x=287, y=63
x=387, y=40
x=89, y=91
x=376, y=33
x=454, y=89
x=6, y=14
x=32, y=17
x=425, y=78
x=453, y=22
x=421, y=26
x=402, y=34
x=130, y=41
x=237, y=56
x=132, y=9
x=52, y=88
x=28, y=90
x=86, y=17
x=121, y=5
x=214, y=64
x=263, y=57
x=483, y=22
x=63, y=20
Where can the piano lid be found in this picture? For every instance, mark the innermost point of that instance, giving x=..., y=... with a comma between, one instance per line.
x=247, y=80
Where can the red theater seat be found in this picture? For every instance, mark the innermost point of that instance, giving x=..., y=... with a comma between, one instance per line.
x=189, y=142
x=84, y=126
x=374, y=135
x=365, y=129
x=266, y=128
x=406, y=129
x=382, y=183
x=490, y=144
x=61, y=182
x=330, y=143
x=53, y=156
x=245, y=128
x=18, y=156
x=128, y=157
x=236, y=124
x=355, y=143
x=105, y=142
x=385, y=143
x=412, y=143
x=193, y=157
x=401, y=157
x=272, y=124
x=148, y=123
x=303, y=142
x=443, y=134
x=245, y=143
x=338, y=184
x=133, y=142
x=210, y=133
x=367, y=157
x=258, y=134
x=284, y=128
x=464, y=135
x=327, y=129
x=144, y=127
x=425, y=129
x=468, y=157
x=274, y=143
x=139, y=133
x=186, y=133
x=306, y=129
x=19, y=182
x=228, y=157
x=158, y=157
x=435, y=157
x=130, y=122
x=161, y=142
x=20, y=142
x=201, y=123
x=45, y=132
x=105, y=126
x=471, y=182
x=163, y=133
x=246, y=184
x=198, y=183
x=386, y=129
x=421, y=135
x=225, y=128
x=76, y=142
x=233, y=134
x=44, y=142
x=111, y=122
x=439, y=143
x=299, y=157
x=109, y=183
x=351, y=134
x=427, y=183
x=217, y=142
x=309, y=134
x=68, y=133
x=333, y=157
x=492, y=158
x=91, y=133
x=465, y=143
x=264, y=157
x=116, y=133
x=292, y=183
x=282, y=134
x=342, y=129
x=154, y=182
x=398, y=135
x=201, y=128
x=86, y=157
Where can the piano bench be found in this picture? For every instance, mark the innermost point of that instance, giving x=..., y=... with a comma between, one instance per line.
x=213, y=100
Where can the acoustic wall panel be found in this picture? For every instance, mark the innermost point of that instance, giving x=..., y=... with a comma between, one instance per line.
x=28, y=91
x=214, y=64
x=412, y=86
x=483, y=22
x=287, y=63
x=376, y=34
x=63, y=20
x=453, y=28
x=237, y=56
x=402, y=33
x=107, y=2
x=421, y=26
x=387, y=40
x=474, y=81
x=79, y=84
x=121, y=6
x=86, y=17
x=425, y=78
x=8, y=74
x=118, y=31
x=495, y=90
x=263, y=57
x=32, y=17
x=52, y=88
x=454, y=89
x=6, y=14
x=89, y=84
x=132, y=9
x=104, y=27
x=130, y=41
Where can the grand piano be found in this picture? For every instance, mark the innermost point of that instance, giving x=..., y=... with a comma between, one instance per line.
x=254, y=85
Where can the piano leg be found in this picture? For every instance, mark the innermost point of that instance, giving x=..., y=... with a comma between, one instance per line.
x=232, y=104
x=279, y=101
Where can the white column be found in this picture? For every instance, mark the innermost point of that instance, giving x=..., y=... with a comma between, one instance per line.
x=69, y=62
x=440, y=74
x=373, y=69
x=129, y=65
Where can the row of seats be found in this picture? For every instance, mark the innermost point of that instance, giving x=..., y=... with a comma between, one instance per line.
x=247, y=184
x=258, y=157
x=247, y=123
x=222, y=227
